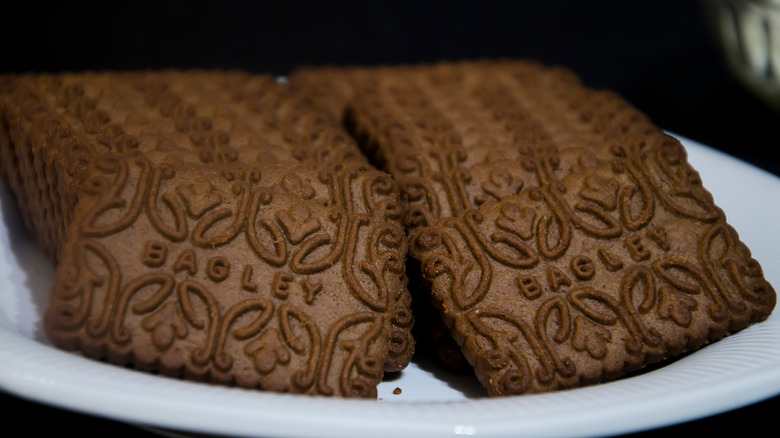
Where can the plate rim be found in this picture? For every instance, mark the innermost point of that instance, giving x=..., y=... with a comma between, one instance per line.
x=22, y=374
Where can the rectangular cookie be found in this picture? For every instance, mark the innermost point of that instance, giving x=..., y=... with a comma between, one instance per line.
x=210, y=225
x=565, y=239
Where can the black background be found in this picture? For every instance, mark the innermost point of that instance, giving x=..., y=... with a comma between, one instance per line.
x=659, y=55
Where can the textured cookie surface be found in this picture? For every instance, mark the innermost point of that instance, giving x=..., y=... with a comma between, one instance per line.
x=209, y=225
x=565, y=239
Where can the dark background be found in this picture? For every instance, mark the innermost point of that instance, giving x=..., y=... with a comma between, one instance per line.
x=659, y=55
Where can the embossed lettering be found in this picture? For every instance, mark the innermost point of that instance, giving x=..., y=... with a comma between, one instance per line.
x=246, y=279
x=556, y=278
x=637, y=248
x=281, y=285
x=582, y=267
x=155, y=253
x=218, y=268
x=311, y=289
x=187, y=262
x=610, y=262
x=529, y=287
x=659, y=236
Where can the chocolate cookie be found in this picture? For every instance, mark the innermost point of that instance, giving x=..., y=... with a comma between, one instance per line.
x=209, y=225
x=564, y=238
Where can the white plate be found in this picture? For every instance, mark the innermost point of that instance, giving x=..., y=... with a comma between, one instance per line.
x=732, y=373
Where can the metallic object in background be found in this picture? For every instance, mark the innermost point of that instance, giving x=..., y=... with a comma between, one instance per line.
x=748, y=32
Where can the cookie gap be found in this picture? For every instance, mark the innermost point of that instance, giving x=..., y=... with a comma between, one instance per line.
x=364, y=141
x=434, y=342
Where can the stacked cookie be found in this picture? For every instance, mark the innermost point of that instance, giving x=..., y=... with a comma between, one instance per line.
x=230, y=228
x=564, y=239
x=213, y=226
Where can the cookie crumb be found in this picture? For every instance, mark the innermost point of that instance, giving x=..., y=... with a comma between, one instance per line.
x=397, y=391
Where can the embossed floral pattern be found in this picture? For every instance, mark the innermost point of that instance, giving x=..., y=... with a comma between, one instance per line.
x=565, y=239
x=180, y=251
